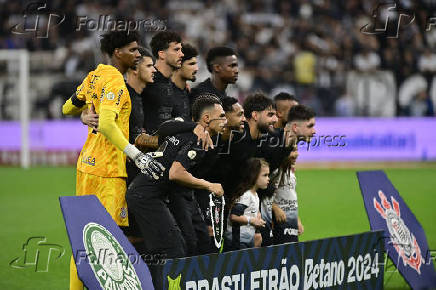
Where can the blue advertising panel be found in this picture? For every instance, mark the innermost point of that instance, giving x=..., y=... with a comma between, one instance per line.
x=349, y=262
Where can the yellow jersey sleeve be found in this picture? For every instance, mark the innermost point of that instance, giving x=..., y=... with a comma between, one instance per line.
x=114, y=94
x=70, y=109
x=108, y=127
x=85, y=88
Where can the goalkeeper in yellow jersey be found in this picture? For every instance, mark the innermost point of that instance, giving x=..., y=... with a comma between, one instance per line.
x=101, y=167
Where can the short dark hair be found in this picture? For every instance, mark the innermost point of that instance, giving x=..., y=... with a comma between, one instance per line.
x=144, y=53
x=188, y=52
x=201, y=103
x=257, y=102
x=300, y=113
x=228, y=103
x=283, y=96
x=116, y=39
x=215, y=52
x=162, y=40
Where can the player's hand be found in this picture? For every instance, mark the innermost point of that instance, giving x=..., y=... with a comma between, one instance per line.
x=148, y=165
x=216, y=189
x=90, y=117
x=257, y=222
x=290, y=140
x=279, y=214
x=145, y=141
x=300, y=227
x=203, y=137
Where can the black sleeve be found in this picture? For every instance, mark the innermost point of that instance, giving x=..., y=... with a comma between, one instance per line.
x=173, y=127
x=238, y=209
x=187, y=155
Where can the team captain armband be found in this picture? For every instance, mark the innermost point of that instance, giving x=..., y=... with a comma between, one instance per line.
x=73, y=106
x=76, y=102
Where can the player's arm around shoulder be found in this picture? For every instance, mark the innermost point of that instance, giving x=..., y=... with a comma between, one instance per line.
x=179, y=170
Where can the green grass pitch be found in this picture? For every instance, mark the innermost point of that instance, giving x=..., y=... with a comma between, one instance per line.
x=330, y=205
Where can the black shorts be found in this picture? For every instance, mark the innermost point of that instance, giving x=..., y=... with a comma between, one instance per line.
x=157, y=225
x=285, y=232
x=267, y=239
x=194, y=229
x=132, y=230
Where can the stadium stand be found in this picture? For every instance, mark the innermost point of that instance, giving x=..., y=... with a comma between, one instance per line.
x=305, y=47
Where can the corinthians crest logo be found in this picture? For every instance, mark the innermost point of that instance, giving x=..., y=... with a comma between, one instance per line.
x=108, y=261
x=402, y=239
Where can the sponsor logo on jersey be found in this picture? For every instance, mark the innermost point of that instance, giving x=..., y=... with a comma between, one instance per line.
x=402, y=239
x=88, y=160
x=113, y=269
x=290, y=232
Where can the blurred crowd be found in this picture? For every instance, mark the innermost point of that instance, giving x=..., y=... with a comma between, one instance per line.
x=305, y=47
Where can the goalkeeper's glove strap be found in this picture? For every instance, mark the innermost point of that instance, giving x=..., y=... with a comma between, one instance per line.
x=131, y=151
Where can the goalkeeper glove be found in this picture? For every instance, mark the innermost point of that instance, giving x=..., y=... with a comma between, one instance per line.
x=146, y=162
x=148, y=165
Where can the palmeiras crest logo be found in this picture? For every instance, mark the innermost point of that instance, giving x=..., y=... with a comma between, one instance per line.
x=108, y=260
x=402, y=239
